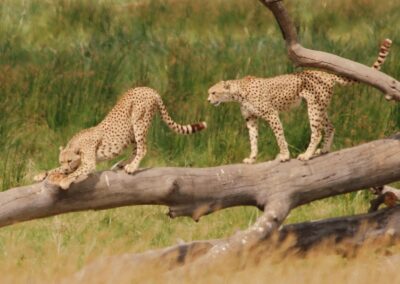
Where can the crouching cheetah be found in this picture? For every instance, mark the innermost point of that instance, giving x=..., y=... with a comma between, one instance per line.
x=127, y=123
x=266, y=97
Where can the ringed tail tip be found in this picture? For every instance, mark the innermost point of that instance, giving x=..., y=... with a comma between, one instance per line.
x=387, y=42
x=198, y=126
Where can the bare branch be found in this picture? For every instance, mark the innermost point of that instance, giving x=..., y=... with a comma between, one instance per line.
x=312, y=58
x=274, y=214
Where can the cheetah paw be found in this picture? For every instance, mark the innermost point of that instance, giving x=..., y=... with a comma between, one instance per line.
x=40, y=177
x=283, y=157
x=321, y=152
x=130, y=169
x=65, y=183
x=304, y=157
x=249, y=161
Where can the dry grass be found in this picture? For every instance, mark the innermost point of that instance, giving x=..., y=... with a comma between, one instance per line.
x=375, y=263
x=57, y=248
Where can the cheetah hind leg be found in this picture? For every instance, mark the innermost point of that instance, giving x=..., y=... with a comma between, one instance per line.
x=329, y=132
x=140, y=129
x=316, y=133
x=122, y=163
x=141, y=152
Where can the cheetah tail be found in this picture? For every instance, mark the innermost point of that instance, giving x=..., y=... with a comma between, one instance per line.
x=383, y=53
x=178, y=128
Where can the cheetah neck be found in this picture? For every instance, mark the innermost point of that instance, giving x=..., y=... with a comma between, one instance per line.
x=237, y=93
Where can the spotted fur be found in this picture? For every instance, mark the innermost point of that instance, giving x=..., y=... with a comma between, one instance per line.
x=266, y=97
x=127, y=123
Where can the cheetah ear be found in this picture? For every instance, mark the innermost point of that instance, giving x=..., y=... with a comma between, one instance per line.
x=61, y=148
x=227, y=86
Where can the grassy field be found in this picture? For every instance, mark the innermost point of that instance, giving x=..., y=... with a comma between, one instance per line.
x=64, y=63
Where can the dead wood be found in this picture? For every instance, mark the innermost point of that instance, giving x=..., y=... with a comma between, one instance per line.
x=305, y=57
x=344, y=235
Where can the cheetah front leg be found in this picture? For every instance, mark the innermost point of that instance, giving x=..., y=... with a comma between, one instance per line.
x=43, y=175
x=252, y=126
x=140, y=129
x=87, y=166
x=275, y=123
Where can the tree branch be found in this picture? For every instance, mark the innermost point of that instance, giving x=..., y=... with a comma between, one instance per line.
x=194, y=192
x=312, y=58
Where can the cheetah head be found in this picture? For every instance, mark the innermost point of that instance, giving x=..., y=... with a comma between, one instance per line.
x=69, y=159
x=221, y=92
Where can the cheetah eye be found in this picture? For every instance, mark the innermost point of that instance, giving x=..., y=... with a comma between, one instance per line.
x=69, y=161
x=213, y=93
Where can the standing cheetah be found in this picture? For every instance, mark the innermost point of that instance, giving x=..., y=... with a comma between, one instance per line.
x=266, y=97
x=127, y=123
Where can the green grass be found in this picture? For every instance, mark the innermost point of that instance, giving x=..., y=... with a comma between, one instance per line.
x=64, y=63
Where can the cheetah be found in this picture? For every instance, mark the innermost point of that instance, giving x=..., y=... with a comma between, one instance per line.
x=266, y=97
x=127, y=123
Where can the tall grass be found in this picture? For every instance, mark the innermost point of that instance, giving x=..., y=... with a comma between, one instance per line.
x=64, y=63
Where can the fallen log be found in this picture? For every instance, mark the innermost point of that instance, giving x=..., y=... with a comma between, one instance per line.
x=272, y=186
x=344, y=235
